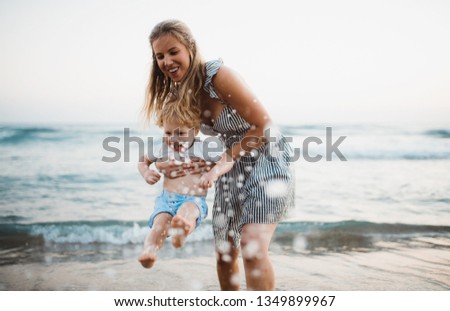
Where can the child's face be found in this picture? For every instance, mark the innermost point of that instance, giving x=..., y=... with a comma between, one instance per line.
x=180, y=138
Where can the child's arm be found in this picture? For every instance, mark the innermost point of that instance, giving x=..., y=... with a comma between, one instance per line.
x=224, y=165
x=149, y=175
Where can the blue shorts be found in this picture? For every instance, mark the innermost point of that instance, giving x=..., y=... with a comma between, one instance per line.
x=169, y=202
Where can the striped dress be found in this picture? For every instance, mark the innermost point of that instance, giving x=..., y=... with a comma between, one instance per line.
x=260, y=186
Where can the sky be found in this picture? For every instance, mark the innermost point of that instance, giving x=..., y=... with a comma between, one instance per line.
x=308, y=62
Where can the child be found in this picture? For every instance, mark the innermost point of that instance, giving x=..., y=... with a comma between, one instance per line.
x=181, y=206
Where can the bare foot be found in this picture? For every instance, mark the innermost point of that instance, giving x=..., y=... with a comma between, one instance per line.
x=180, y=230
x=148, y=257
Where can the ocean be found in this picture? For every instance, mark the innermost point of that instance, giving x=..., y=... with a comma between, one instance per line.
x=60, y=201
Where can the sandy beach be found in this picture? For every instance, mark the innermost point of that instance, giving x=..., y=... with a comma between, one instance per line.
x=392, y=268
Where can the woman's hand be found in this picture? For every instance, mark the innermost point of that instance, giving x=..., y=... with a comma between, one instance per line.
x=174, y=169
x=223, y=166
x=171, y=169
x=198, y=166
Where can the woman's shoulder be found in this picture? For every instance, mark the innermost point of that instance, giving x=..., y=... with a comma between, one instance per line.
x=211, y=69
x=214, y=63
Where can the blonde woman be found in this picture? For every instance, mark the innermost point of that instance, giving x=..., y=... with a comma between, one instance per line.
x=245, y=211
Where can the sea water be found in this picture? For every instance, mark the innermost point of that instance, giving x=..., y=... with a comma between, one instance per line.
x=57, y=192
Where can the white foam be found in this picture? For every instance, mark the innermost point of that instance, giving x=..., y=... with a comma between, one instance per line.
x=111, y=234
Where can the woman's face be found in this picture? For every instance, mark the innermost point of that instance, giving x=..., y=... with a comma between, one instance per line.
x=172, y=57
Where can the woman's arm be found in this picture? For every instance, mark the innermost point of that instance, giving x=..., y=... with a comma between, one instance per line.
x=233, y=90
x=171, y=169
x=224, y=165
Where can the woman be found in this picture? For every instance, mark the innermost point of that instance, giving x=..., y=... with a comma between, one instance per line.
x=252, y=197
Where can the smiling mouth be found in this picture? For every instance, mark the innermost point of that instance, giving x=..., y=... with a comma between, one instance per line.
x=173, y=70
x=180, y=146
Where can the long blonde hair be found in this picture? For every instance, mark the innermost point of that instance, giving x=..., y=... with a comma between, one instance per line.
x=161, y=89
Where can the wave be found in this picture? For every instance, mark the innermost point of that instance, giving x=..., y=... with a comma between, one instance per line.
x=365, y=129
x=363, y=228
x=365, y=142
x=365, y=153
x=397, y=155
x=121, y=233
x=368, y=142
x=23, y=134
x=15, y=135
x=351, y=235
x=87, y=232
x=74, y=178
x=440, y=133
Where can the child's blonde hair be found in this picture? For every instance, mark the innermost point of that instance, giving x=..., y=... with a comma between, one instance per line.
x=160, y=88
x=172, y=111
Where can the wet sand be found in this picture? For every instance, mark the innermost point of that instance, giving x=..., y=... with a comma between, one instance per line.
x=391, y=268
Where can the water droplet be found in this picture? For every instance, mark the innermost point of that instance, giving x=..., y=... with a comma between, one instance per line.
x=226, y=258
x=250, y=250
x=196, y=285
x=299, y=243
x=224, y=248
x=256, y=273
x=235, y=279
x=220, y=220
x=276, y=188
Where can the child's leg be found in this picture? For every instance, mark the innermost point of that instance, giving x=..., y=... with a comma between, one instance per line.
x=155, y=239
x=184, y=223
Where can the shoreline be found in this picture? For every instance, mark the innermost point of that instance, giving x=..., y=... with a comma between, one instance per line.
x=391, y=268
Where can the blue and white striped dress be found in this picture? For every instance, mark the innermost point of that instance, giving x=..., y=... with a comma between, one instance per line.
x=259, y=188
